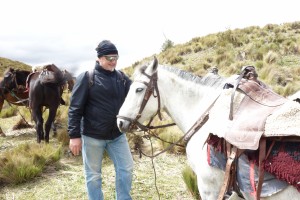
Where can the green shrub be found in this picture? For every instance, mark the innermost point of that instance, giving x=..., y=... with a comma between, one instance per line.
x=198, y=48
x=175, y=60
x=26, y=161
x=271, y=57
x=8, y=112
x=190, y=180
x=167, y=45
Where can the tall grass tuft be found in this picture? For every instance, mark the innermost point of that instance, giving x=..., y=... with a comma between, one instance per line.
x=271, y=57
x=27, y=161
x=190, y=180
x=8, y=112
x=63, y=137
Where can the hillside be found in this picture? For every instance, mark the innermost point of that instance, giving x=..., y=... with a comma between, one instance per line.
x=6, y=63
x=273, y=49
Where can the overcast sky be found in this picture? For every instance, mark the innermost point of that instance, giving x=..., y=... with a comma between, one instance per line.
x=66, y=32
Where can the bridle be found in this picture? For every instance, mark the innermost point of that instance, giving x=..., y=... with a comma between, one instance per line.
x=14, y=79
x=5, y=85
x=17, y=88
x=152, y=89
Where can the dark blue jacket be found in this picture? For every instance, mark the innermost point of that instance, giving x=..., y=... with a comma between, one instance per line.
x=97, y=105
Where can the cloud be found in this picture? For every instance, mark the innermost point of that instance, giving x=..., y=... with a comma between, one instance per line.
x=66, y=32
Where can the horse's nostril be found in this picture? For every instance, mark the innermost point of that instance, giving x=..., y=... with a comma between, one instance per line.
x=120, y=124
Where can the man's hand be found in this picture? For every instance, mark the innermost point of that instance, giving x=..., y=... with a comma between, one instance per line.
x=75, y=146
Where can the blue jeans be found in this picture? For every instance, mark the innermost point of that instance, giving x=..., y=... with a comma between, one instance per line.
x=119, y=152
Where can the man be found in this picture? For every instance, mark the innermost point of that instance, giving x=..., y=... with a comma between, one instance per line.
x=92, y=124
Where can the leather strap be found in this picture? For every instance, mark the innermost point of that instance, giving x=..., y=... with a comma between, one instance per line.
x=262, y=156
x=228, y=172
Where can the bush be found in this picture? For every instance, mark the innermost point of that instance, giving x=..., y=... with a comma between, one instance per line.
x=26, y=161
x=8, y=112
x=190, y=180
x=271, y=57
x=167, y=45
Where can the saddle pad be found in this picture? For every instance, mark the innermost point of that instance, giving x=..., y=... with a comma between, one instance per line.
x=248, y=124
x=285, y=121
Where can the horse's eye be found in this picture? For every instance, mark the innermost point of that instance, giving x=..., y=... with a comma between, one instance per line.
x=139, y=90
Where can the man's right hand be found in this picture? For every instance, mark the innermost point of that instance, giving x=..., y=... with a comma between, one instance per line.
x=75, y=146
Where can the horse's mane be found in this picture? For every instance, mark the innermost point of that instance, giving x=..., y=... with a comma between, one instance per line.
x=211, y=79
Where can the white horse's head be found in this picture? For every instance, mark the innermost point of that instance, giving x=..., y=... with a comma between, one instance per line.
x=143, y=100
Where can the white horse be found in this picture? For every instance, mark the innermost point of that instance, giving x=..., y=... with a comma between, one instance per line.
x=184, y=97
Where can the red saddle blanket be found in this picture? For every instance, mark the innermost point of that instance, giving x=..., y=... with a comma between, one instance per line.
x=283, y=161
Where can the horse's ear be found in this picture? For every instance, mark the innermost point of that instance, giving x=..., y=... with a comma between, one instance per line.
x=154, y=64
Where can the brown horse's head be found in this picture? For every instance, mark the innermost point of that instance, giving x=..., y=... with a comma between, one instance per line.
x=14, y=80
x=69, y=80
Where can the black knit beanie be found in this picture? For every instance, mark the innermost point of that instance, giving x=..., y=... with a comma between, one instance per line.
x=105, y=48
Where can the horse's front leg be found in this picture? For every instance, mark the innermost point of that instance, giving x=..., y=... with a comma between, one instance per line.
x=209, y=179
x=49, y=123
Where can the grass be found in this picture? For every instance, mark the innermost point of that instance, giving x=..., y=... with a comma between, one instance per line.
x=26, y=161
x=64, y=179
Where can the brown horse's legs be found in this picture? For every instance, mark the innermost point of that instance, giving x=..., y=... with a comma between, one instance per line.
x=49, y=122
x=37, y=116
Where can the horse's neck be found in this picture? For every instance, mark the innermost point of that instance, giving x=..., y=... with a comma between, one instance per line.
x=185, y=101
x=22, y=79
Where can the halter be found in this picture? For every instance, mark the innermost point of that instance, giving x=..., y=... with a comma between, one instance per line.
x=14, y=79
x=150, y=90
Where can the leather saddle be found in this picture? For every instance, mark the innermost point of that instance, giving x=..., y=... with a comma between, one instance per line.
x=248, y=123
x=248, y=126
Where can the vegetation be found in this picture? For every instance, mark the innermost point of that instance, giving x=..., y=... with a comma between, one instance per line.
x=6, y=63
x=26, y=161
x=11, y=111
x=166, y=45
x=190, y=179
x=273, y=49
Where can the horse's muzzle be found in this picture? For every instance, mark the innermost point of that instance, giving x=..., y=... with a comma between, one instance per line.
x=123, y=124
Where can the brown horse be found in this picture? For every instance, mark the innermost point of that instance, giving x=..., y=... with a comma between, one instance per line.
x=12, y=88
x=45, y=90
